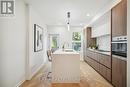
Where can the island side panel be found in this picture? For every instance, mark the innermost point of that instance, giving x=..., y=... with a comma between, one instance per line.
x=65, y=68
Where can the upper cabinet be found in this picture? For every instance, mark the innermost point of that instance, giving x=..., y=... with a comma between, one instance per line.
x=119, y=19
x=102, y=26
x=89, y=40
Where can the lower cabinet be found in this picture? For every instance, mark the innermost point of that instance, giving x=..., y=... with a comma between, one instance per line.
x=119, y=72
x=105, y=72
x=101, y=69
x=113, y=70
x=105, y=60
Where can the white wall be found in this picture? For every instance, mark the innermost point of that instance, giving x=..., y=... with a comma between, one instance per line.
x=17, y=46
x=128, y=33
x=13, y=46
x=65, y=35
x=36, y=59
x=104, y=42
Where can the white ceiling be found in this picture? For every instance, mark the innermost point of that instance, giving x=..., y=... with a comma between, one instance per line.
x=54, y=12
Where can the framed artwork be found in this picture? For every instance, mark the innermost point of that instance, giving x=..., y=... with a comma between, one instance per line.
x=38, y=38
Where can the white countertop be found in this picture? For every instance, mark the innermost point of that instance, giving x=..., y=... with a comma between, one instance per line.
x=70, y=51
x=120, y=57
x=106, y=53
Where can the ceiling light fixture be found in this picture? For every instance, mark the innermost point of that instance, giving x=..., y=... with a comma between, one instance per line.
x=88, y=15
x=68, y=21
x=81, y=24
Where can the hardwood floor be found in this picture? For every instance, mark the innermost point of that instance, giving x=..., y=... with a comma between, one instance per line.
x=89, y=78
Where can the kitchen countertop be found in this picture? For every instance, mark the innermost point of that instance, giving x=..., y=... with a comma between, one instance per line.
x=120, y=57
x=108, y=53
x=101, y=52
x=65, y=51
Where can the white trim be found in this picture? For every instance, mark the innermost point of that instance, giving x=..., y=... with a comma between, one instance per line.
x=23, y=80
x=34, y=73
x=20, y=83
x=128, y=47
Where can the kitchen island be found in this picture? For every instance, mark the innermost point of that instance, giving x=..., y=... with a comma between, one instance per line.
x=65, y=66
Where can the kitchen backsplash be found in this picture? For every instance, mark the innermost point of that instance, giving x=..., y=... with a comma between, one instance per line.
x=104, y=42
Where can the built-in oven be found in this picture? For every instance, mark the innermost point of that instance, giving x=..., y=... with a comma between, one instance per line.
x=119, y=46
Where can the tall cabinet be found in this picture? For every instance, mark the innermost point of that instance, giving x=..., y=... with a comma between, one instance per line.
x=119, y=28
x=119, y=19
x=87, y=39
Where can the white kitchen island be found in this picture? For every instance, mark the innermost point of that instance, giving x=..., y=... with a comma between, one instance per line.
x=65, y=66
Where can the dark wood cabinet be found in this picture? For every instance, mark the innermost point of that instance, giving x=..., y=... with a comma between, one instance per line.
x=100, y=62
x=105, y=60
x=105, y=72
x=119, y=28
x=93, y=63
x=119, y=19
x=90, y=41
x=108, y=74
x=92, y=55
x=119, y=72
x=87, y=41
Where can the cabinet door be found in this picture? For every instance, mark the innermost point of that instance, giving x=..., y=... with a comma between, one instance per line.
x=91, y=54
x=97, y=56
x=119, y=19
x=93, y=64
x=102, y=70
x=89, y=61
x=105, y=72
x=108, y=74
x=96, y=66
x=105, y=60
x=118, y=72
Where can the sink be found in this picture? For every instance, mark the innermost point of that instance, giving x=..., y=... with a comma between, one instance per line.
x=69, y=50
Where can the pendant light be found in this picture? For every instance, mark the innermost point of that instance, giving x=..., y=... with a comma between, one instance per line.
x=68, y=21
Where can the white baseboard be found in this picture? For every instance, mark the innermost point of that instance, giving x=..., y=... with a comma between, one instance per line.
x=20, y=83
x=42, y=65
x=23, y=80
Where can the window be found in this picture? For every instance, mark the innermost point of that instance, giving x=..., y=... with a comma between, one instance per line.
x=76, y=41
x=54, y=41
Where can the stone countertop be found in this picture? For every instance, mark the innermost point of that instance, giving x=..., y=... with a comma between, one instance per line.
x=120, y=57
x=65, y=51
x=101, y=52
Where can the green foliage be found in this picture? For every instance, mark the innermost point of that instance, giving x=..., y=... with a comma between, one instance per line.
x=76, y=36
x=54, y=42
x=94, y=46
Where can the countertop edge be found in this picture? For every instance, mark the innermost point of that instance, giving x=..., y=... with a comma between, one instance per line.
x=120, y=57
x=100, y=52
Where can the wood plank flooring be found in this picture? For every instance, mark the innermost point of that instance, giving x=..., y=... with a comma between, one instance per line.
x=89, y=78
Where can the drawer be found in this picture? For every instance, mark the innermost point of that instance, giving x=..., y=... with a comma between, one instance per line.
x=105, y=72
x=105, y=60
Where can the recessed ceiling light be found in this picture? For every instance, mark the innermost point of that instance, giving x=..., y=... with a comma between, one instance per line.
x=88, y=15
x=81, y=24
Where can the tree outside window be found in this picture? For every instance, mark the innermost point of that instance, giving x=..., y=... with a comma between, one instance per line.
x=76, y=41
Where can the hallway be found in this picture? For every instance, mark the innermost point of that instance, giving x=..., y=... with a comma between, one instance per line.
x=89, y=78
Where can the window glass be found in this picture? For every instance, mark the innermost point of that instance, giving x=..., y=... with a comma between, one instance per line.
x=76, y=41
x=54, y=42
x=76, y=36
